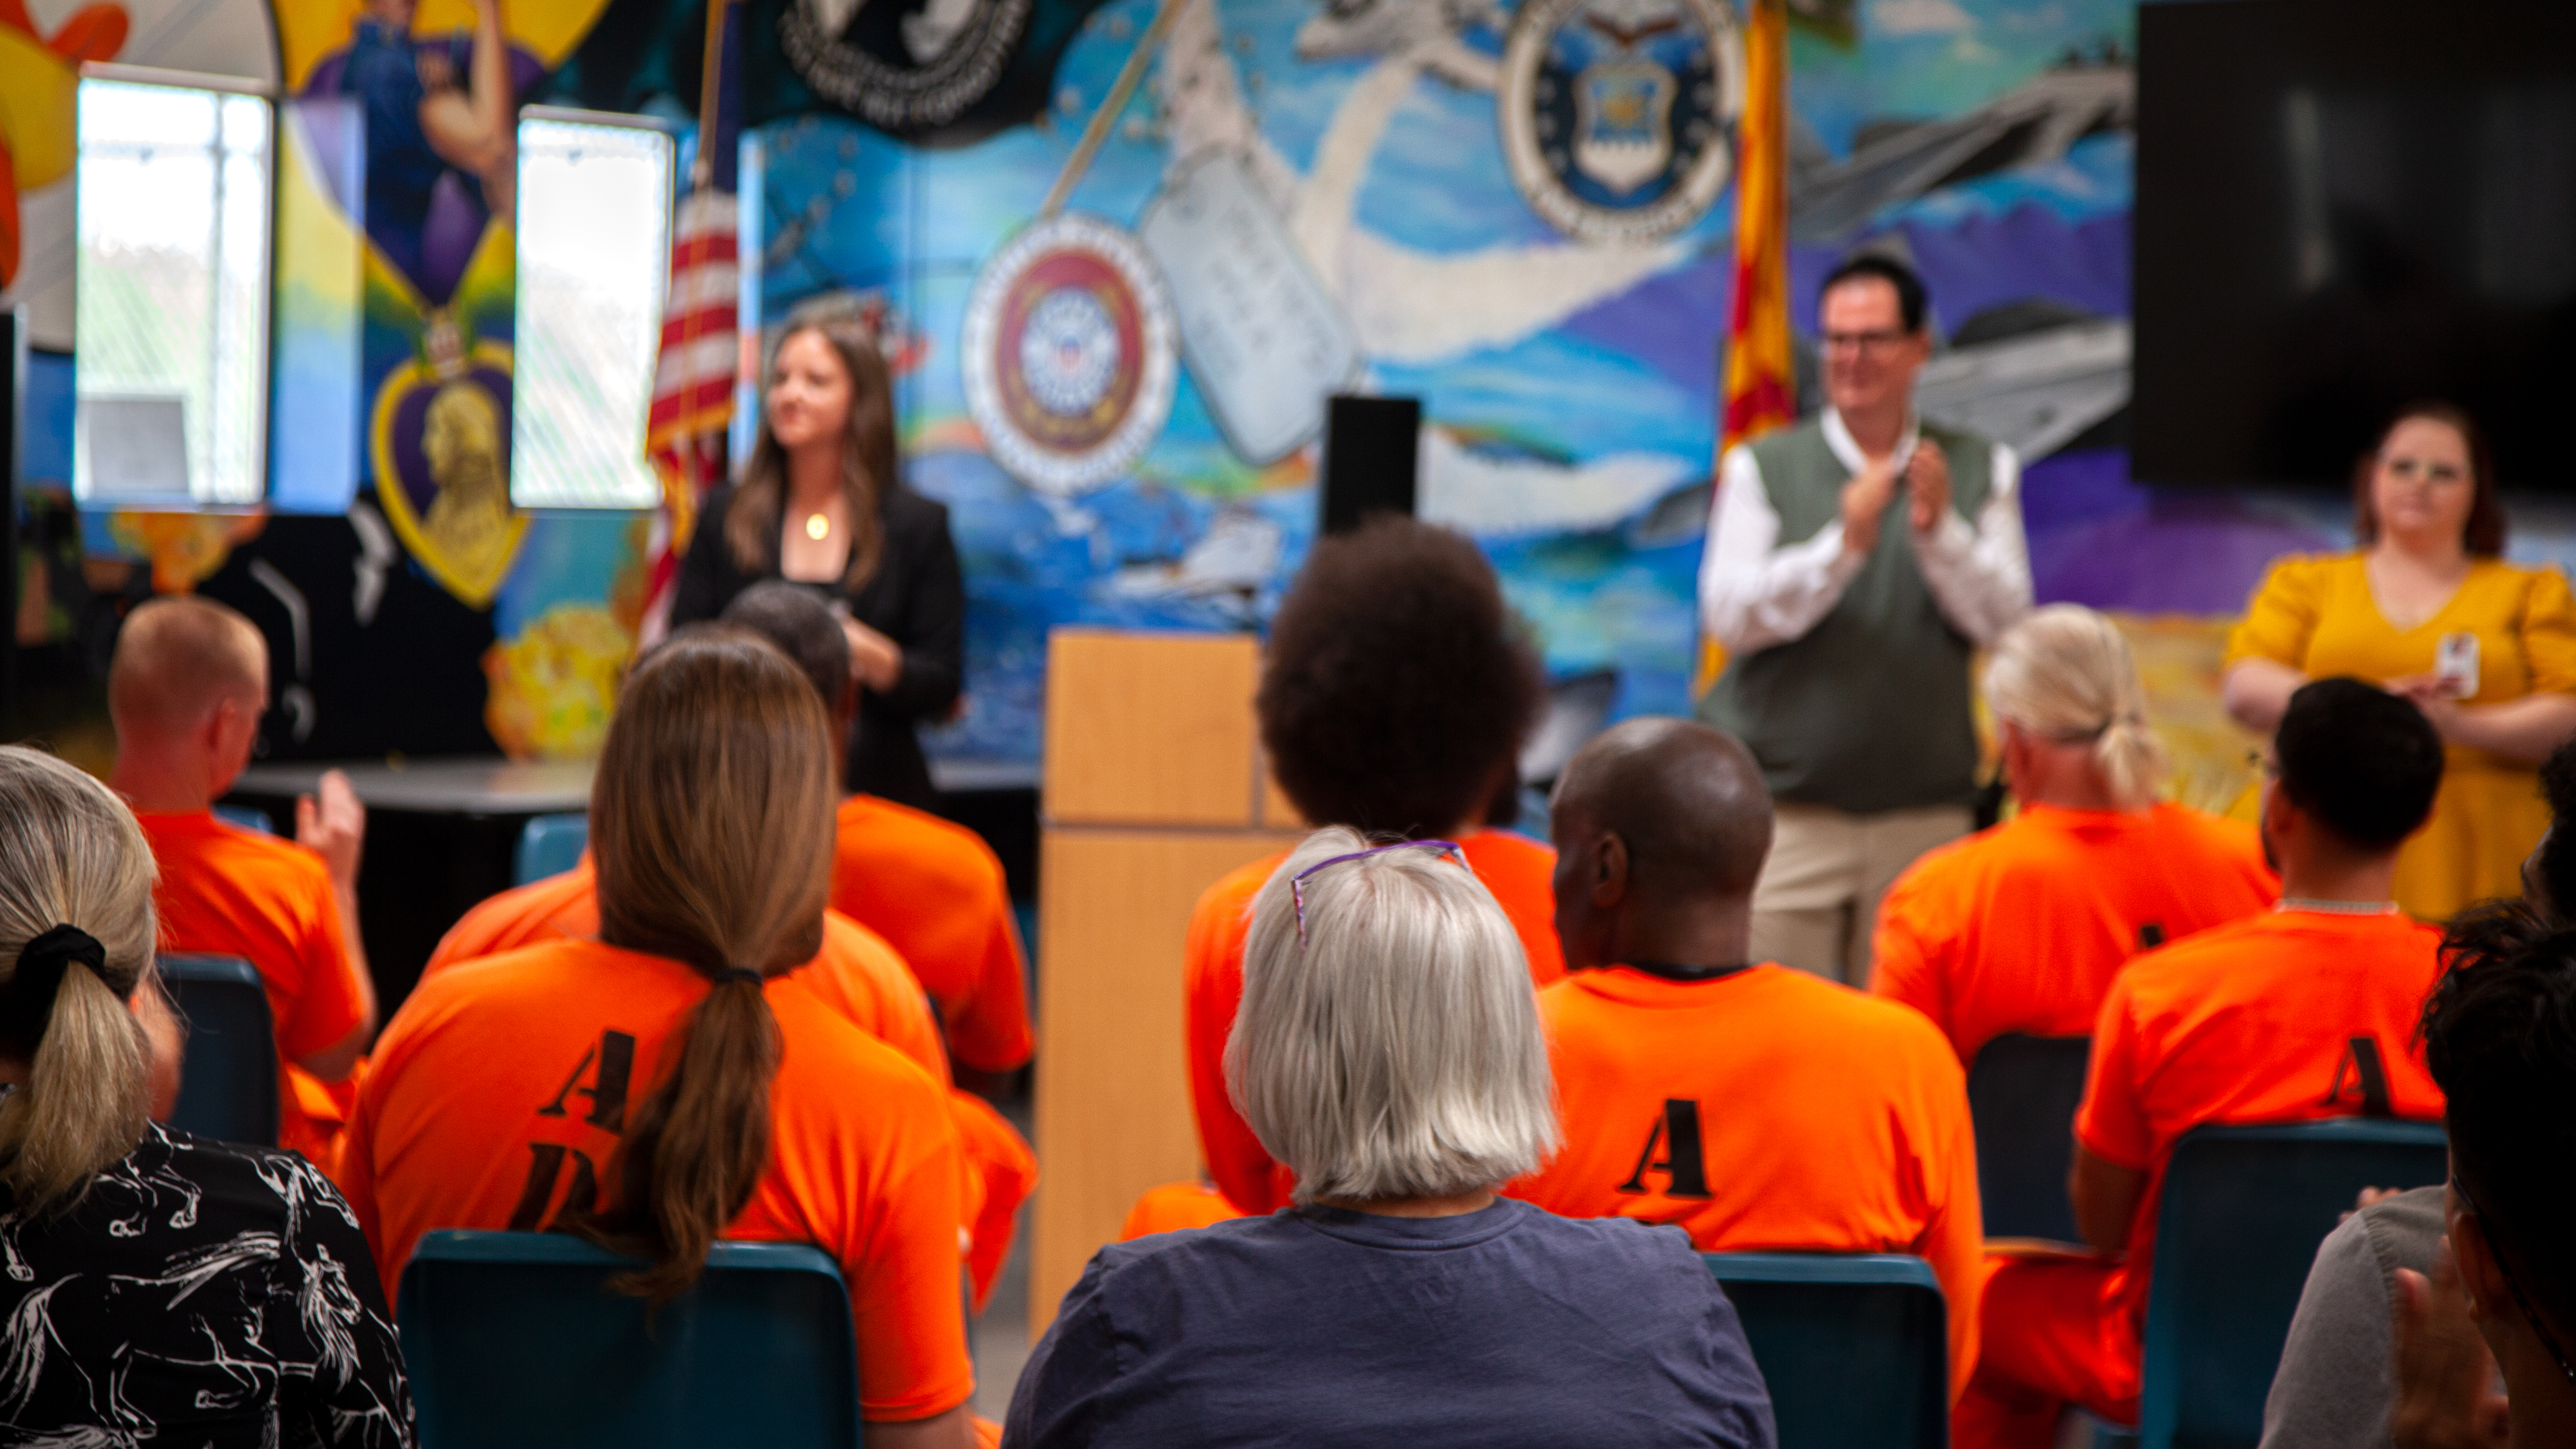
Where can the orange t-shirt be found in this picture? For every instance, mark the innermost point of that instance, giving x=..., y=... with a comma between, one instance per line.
x=856, y=972
x=2021, y=928
x=935, y=891
x=1514, y=867
x=230, y=892
x=2290, y=1016
x=1763, y=1111
x=499, y=1092
x=1176, y=1207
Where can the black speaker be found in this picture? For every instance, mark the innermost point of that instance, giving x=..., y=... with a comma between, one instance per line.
x=1371, y=449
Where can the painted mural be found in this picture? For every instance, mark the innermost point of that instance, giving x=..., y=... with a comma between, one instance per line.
x=1519, y=217
x=1119, y=265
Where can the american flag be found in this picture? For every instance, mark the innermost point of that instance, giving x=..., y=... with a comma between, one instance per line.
x=693, y=381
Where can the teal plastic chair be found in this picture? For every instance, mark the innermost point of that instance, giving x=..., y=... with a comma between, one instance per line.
x=2022, y=1096
x=1855, y=1347
x=549, y=845
x=242, y=817
x=228, y=1087
x=516, y=1339
x=2244, y=1210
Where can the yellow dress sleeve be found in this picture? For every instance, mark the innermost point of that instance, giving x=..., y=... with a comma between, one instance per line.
x=2549, y=633
x=2282, y=616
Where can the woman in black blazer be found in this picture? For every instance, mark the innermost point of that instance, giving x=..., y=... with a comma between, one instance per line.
x=822, y=504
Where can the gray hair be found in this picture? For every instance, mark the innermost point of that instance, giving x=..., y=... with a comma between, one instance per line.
x=2067, y=674
x=1396, y=1051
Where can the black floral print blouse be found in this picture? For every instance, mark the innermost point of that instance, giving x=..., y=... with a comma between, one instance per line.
x=200, y=1293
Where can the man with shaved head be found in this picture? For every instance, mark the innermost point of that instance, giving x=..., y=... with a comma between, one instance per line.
x=1755, y=1106
x=186, y=689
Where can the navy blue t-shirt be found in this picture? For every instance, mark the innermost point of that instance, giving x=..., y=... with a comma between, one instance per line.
x=1319, y=1327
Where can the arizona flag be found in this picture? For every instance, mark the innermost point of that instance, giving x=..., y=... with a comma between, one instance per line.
x=693, y=381
x=1760, y=389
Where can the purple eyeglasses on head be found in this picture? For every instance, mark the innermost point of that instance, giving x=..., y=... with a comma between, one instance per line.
x=1297, y=882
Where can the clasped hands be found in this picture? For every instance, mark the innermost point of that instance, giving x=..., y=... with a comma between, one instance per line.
x=1926, y=476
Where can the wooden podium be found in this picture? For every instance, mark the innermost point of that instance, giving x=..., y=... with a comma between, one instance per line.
x=1154, y=788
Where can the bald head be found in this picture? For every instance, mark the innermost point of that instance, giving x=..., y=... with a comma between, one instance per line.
x=1687, y=801
x=178, y=659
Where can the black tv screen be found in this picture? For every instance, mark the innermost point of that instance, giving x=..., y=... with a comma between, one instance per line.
x=2344, y=206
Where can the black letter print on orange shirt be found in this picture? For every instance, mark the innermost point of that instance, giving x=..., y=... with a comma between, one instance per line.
x=1676, y=1132
x=607, y=1092
x=2361, y=1073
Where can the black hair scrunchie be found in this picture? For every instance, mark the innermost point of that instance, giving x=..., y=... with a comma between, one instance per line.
x=27, y=1001
x=740, y=973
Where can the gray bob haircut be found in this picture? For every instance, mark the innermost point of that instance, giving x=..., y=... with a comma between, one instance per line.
x=1396, y=1051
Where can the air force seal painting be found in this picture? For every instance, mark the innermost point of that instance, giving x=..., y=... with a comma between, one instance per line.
x=1617, y=114
x=1070, y=354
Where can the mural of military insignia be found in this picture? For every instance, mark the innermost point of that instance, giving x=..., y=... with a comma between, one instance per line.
x=1070, y=354
x=902, y=68
x=441, y=444
x=1617, y=116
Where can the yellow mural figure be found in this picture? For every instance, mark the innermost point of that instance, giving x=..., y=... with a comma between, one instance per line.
x=469, y=520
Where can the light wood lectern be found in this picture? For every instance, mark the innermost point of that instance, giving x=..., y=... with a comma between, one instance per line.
x=1154, y=788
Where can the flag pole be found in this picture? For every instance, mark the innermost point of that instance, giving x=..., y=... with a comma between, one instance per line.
x=702, y=171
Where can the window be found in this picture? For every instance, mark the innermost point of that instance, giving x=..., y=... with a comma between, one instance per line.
x=170, y=295
x=594, y=240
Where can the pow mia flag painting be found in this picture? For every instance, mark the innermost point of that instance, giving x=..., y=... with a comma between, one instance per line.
x=932, y=72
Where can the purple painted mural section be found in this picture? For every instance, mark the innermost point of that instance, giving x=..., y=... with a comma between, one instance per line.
x=2098, y=538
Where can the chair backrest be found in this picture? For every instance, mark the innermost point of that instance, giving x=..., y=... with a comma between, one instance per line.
x=549, y=845
x=1855, y=1347
x=2022, y=1094
x=516, y=1339
x=242, y=817
x=2244, y=1210
x=228, y=1081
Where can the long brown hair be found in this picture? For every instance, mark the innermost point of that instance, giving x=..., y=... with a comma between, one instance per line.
x=711, y=824
x=2483, y=534
x=867, y=450
x=71, y=855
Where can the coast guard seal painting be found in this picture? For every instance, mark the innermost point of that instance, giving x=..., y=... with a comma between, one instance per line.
x=1617, y=116
x=1070, y=354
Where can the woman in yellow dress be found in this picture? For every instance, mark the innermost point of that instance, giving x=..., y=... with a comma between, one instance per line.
x=2428, y=587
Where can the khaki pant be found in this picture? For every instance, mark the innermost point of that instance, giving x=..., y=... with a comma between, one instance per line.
x=1816, y=906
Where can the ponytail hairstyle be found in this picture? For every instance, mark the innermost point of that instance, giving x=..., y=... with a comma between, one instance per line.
x=867, y=449
x=711, y=824
x=71, y=856
x=2064, y=673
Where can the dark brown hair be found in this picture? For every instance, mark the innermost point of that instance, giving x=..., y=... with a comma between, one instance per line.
x=2483, y=534
x=1397, y=687
x=711, y=823
x=867, y=450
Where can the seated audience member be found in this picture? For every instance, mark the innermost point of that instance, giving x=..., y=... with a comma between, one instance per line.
x=2306, y=1012
x=677, y=1080
x=186, y=689
x=856, y=973
x=2333, y=1389
x=933, y=889
x=1755, y=1106
x=2500, y=1036
x=1394, y=696
x=2021, y=927
x=1389, y=1053
x=162, y=1287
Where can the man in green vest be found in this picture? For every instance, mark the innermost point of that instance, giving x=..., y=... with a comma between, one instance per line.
x=1854, y=563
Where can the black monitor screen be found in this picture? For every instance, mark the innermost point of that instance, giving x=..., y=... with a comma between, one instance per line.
x=2345, y=206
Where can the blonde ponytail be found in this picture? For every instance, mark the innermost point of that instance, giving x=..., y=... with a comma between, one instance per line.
x=70, y=856
x=2067, y=674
